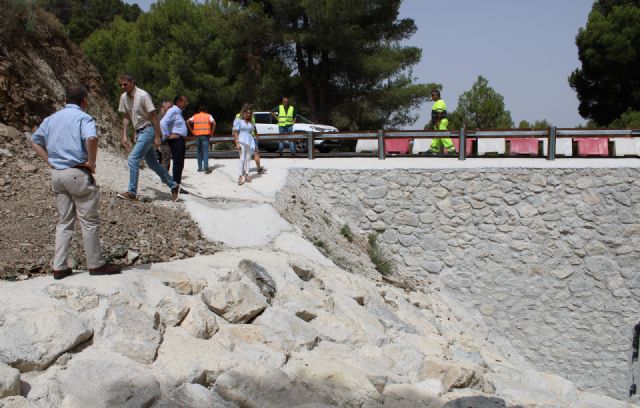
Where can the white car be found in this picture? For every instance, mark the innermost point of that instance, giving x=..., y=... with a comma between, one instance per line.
x=268, y=125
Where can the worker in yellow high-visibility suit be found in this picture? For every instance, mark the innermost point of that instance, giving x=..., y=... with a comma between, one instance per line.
x=440, y=122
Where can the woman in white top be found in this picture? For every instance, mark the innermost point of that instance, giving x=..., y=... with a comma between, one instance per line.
x=243, y=138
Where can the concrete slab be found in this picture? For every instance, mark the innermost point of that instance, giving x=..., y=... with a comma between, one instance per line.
x=238, y=227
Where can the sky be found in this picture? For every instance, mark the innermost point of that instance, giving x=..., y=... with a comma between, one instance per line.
x=524, y=48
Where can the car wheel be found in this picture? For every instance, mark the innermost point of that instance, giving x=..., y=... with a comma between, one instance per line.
x=324, y=149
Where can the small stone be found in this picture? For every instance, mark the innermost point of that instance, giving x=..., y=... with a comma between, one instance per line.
x=562, y=273
x=132, y=256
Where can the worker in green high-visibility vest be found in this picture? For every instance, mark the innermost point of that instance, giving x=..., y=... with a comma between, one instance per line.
x=286, y=117
x=439, y=121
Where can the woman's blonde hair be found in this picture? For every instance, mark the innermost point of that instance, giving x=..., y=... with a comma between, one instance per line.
x=245, y=108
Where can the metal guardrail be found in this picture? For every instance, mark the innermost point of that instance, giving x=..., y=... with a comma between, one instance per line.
x=551, y=135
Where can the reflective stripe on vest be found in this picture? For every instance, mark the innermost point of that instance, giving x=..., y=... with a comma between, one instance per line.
x=201, y=124
x=285, y=118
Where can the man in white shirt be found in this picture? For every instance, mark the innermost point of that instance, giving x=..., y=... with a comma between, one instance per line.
x=137, y=107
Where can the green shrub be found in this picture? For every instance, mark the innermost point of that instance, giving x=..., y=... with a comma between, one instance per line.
x=378, y=258
x=346, y=232
x=321, y=245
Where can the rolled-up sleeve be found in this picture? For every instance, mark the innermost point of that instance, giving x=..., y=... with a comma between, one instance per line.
x=88, y=128
x=38, y=136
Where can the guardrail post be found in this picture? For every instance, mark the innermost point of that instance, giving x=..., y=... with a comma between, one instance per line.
x=463, y=145
x=310, y=145
x=381, y=144
x=551, y=148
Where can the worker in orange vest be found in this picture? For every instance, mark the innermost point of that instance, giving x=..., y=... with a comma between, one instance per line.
x=202, y=125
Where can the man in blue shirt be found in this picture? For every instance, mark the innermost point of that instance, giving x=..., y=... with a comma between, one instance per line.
x=67, y=142
x=174, y=129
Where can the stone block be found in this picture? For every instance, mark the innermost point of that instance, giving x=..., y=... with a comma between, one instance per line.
x=9, y=381
x=237, y=302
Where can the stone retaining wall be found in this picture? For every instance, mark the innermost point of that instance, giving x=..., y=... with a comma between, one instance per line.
x=549, y=258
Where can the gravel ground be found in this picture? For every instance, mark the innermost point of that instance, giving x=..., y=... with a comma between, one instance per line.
x=151, y=230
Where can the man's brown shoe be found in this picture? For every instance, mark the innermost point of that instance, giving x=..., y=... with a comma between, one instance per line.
x=175, y=193
x=62, y=274
x=127, y=196
x=106, y=269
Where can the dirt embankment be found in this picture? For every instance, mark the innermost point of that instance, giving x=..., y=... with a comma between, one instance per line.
x=37, y=62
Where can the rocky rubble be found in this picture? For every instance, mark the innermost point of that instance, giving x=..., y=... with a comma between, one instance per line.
x=150, y=338
x=133, y=233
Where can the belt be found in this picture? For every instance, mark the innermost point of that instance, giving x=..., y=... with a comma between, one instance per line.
x=140, y=129
x=92, y=180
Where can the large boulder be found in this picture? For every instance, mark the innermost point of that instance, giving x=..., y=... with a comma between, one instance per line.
x=410, y=396
x=99, y=378
x=35, y=330
x=193, y=396
x=237, y=302
x=288, y=330
x=265, y=387
x=15, y=402
x=338, y=374
x=185, y=359
x=130, y=332
x=170, y=306
x=201, y=322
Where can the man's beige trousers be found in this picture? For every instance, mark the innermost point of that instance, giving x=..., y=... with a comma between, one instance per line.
x=76, y=197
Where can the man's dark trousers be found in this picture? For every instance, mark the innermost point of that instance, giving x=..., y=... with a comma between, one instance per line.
x=178, y=149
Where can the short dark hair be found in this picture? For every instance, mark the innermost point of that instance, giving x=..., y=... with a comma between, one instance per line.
x=202, y=108
x=177, y=98
x=127, y=77
x=75, y=93
x=436, y=91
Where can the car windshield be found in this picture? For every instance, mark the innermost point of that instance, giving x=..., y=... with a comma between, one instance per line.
x=262, y=118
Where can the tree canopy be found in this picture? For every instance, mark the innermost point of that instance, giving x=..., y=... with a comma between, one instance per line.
x=340, y=63
x=349, y=67
x=538, y=124
x=608, y=83
x=198, y=50
x=83, y=17
x=481, y=107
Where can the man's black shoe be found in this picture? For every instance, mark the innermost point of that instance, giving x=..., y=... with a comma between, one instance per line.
x=183, y=191
x=106, y=269
x=62, y=274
